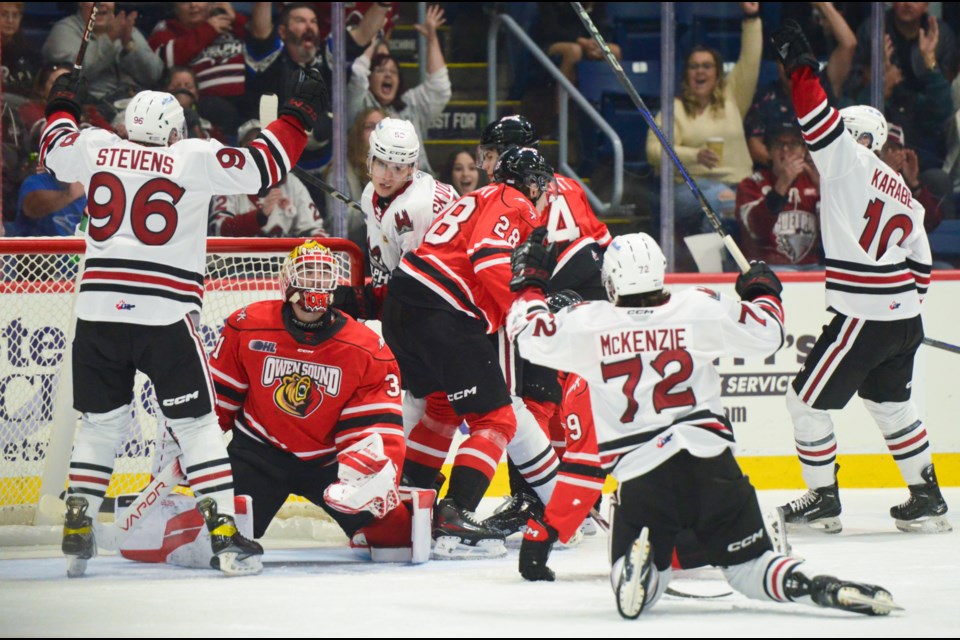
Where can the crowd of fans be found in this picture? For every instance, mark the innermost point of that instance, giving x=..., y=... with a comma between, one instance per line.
x=738, y=140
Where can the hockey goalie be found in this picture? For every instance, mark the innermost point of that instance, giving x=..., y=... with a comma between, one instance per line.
x=312, y=398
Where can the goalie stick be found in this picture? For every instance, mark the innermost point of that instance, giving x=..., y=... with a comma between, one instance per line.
x=930, y=342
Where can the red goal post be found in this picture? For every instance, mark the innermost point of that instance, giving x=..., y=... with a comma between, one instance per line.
x=37, y=421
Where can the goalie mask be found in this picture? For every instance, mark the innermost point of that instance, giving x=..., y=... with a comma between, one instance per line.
x=863, y=121
x=632, y=264
x=524, y=168
x=310, y=274
x=152, y=116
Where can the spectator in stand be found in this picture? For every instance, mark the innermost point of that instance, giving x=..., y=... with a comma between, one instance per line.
x=779, y=208
x=16, y=152
x=561, y=35
x=182, y=84
x=930, y=188
x=773, y=103
x=462, y=172
x=20, y=61
x=208, y=37
x=376, y=82
x=47, y=207
x=118, y=62
x=32, y=111
x=358, y=148
x=708, y=133
x=286, y=211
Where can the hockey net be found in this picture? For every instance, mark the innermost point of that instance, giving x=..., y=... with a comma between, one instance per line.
x=37, y=421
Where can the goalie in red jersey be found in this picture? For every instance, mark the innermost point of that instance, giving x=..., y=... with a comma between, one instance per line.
x=313, y=400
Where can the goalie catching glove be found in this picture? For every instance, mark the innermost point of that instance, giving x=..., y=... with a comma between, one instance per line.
x=533, y=262
x=367, y=480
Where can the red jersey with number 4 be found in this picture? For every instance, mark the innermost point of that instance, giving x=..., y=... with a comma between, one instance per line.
x=653, y=386
x=146, y=240
x=571, y=220
x=464, y=259
x=310, y=396
x=877, y=253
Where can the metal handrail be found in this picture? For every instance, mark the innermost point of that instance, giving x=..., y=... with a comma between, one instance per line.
x=567, y=90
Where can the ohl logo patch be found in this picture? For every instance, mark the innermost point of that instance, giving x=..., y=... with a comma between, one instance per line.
x=297, y=395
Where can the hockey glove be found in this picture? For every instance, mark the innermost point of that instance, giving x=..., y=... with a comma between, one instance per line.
x=66, y=94
x=533, y=262
x=792, y=48
x=306, y=97
x=537, y=542
x=759, y=280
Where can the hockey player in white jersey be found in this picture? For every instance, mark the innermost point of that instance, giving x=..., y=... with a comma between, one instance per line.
x=652, y=418
x=877, y=272
x=400, y=202
x=142, y=289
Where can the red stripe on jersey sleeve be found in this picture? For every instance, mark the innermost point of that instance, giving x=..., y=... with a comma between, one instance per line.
x=291, y=135
x=808, y=94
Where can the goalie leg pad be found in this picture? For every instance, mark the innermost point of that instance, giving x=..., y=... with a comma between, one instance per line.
x=403, y=535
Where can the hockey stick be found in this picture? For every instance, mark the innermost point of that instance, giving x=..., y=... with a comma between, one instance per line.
x=111, y=537
x=309, y=178
x=87, y=32
x=930, y=342
x=714, y=219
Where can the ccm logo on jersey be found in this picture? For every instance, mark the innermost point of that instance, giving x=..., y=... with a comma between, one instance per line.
x=460, y=395
x=746, y=542
x=172, y=402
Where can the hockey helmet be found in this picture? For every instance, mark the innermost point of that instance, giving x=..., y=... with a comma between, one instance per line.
x=862, y=120
x=310, y=274
x=563, y=298
x=395, y=140
x=510, y=131
x=632, y=264
x=151, y=116
x=521, y=167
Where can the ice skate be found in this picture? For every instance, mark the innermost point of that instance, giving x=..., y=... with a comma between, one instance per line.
x=925, y=510
x=79, y=542
x=232, y=553
x=827, y=591
x=817, y=509
x=635, y=577
x=511, y=517
x=458, y=534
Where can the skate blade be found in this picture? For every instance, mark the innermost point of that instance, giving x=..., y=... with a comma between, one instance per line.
x=451, y=548
x=574, y=541
x=777, y=530
x=935, y=524
x=822, y=525
x=229, y=564
x=880, y=604
x=76, y=567
x=630, y=589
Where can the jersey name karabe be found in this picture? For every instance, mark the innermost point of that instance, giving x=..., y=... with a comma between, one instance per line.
x=309, y=400
x=572, y=223
x=465, y=255
x=400, y=227
x=653, y=385
x=877, y=254
x=148, y=206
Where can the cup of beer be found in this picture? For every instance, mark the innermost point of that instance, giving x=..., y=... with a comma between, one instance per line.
x=716, y=145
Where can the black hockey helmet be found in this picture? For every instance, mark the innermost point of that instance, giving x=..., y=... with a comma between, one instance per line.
x=521, y=167
x=510, y=131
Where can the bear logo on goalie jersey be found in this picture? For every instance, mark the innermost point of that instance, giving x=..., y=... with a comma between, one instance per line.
x=298, y=395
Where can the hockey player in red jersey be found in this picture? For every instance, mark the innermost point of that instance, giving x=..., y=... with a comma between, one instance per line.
x=442, y=302
x=581, y=239
x=143, y=286
x=878, y=269
x=643, y=403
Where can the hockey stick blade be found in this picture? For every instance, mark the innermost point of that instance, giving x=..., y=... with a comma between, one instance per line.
x=670, y=591
x=712, y=216
x=111, y=537
x=937, y=344
x=326, y=188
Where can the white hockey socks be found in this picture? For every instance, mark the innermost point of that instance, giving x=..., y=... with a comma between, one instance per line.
x=205, y=459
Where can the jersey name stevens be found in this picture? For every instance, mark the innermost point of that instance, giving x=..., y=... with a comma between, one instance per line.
x=612, y=344
x=136, y=160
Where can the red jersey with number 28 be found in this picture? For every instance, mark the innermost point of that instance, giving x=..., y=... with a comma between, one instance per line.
x=465, y=256
x=146, y=240
x=311, y=399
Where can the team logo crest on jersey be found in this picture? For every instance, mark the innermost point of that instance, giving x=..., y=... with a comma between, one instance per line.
x=301, y=386
x=403, y=222
x=125, y=306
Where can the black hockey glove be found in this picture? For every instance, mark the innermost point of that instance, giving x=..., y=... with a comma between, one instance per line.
x=67, y=94
x=533, y=262
x=759, y=280
x=535, y=549
x=560, y=299
x=306, y=97
x=792, y=48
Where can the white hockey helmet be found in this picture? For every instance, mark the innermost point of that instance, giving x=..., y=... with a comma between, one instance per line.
x=310, y=274
x=632, y=264
x=395, y=140
x=862, y=120
x=152, y=115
